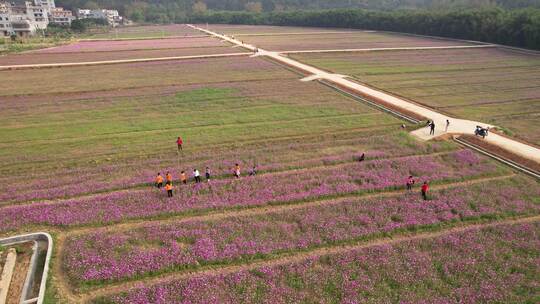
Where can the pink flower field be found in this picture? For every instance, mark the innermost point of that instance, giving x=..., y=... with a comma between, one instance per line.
x=492, y=265
x=132, y=45
x=154, y=248
x=283, y=187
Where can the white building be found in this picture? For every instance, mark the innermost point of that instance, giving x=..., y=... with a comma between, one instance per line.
x=61, y=16
x=27, y=19
x=5, y=23
x=112, y=16
x=48, y=4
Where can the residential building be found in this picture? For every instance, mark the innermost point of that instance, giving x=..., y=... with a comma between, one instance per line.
x=61, y=16
x=112, y=16
x=5, y=23
x=28, y=18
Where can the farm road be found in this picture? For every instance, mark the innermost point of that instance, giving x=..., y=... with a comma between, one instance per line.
x=457, y=126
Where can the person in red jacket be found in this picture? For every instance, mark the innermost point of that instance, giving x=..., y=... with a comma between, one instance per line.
x=425, y=189
x=179, y=142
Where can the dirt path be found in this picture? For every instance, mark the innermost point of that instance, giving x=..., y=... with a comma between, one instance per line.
x=457, y=126
x=299, y=257
x=62, y=282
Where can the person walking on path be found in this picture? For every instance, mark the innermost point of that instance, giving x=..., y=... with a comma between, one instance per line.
x=432, y=127
x=179, y=143
x=159, y=181
x=447, y=125
x=168, y=177
x=197, y=176
x=236, y=171
x=207, y=174
x=410, y=182
x=425, y=189
x=183, y=177
x=169, y=189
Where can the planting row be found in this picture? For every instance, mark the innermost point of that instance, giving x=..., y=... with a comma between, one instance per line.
x=129, y=45
x=282, y=187
x=237, y=29
x=268, y=156
x=104, y=256
x=148, y=31
x=66, y=57
x=491, y=265
x=133, y=75
x=333, y=41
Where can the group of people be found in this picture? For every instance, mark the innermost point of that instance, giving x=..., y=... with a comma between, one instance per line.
x=431, y=125
x=424, y=189
x=236, y=172
x=166, y=182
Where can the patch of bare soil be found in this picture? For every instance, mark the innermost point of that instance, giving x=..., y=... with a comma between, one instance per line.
x=24, y=254
x=477, y=141
x=3, y=255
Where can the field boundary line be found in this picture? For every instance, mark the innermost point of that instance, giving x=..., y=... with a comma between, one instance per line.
x=295, y=257
x=109, y=62
x=420, y=48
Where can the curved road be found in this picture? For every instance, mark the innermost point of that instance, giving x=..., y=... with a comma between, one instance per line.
x=457, y=126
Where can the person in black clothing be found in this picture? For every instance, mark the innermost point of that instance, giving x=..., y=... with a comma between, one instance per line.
x=253, y=171
x=432, y=126
x=362, y=157
x=207, y=173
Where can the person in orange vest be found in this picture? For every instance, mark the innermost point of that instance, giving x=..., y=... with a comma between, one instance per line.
x=236, y=171
x=425, y=189
x=168, y=177
x=159, y=181
x=169, y=189
x=183, y=177
x=179, y=143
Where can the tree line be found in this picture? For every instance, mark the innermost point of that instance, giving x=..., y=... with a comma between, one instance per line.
x=494, y=21
x=169, y=9
x=519, y=28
